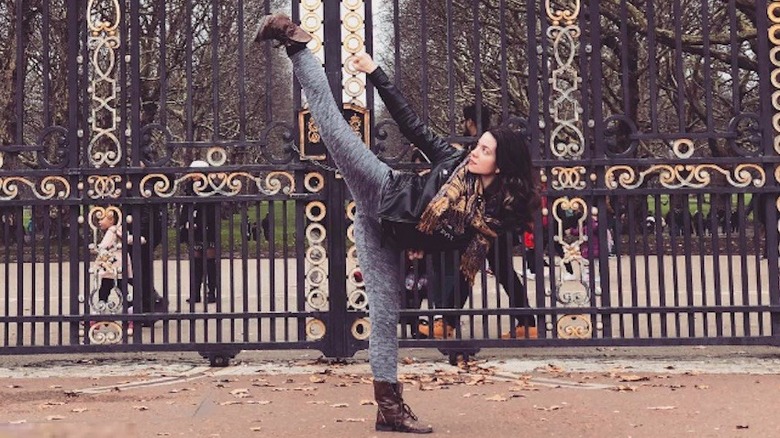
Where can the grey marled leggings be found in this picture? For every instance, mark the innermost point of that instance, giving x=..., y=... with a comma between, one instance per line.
x=364, y=174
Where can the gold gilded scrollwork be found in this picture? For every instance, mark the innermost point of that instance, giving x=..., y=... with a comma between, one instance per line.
x=353, y=31
x=574, y=327
x=109, y=186
x=217, y=183
x=773, y=13
x=361, y=329
x=566, y=138
x=316, y=256
x=311, y=22
x=315, y=329
x=356, y=287
x=104, y=147
x=105, y=332
x=567, y=16
x=50, y=187
x=685, y=175
x=568, y=178
x=314, y=182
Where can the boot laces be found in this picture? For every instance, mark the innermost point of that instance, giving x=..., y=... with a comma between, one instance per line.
x=408, y=411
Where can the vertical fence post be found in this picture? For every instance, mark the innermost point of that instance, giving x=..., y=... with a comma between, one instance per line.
x=74, y=126
x=767, y=24
x=336, y=223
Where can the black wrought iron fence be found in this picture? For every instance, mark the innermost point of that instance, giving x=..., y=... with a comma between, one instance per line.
x=653, y=125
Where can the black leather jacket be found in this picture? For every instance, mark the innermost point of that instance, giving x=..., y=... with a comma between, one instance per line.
x=405, y=195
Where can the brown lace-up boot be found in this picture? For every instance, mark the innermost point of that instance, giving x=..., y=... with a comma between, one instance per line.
x=279, y=27
x=393, y=415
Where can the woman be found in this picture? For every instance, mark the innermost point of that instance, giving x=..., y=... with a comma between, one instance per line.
x=463, y=203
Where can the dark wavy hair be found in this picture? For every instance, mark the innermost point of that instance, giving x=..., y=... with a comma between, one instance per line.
x=518, y=190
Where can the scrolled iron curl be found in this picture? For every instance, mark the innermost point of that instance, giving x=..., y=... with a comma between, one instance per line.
x=47, y=188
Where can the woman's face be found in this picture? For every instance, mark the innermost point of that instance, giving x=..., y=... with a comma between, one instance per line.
x=482, y=159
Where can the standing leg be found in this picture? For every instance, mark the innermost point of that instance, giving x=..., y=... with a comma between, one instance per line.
x=384, y=284
x=381, y=271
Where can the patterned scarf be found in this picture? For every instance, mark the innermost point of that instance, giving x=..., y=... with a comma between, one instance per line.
x=458, y=204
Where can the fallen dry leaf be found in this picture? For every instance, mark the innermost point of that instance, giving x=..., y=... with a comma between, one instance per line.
x=316, y=402
x=367, y=403
x=551, y=408
x=79, y=410
x=259, y=402
x=255, y=428
x=743, y=426
x=316, y=379
x=350, y=420
x=633, y=378
x=52, y=403
x=702, y=386
x=230, y=402
x=55, y=417
x=625, y=388
x=239, y=391
x=496, y=398
x=163, y=434
x=141, y=408
x=340, y=405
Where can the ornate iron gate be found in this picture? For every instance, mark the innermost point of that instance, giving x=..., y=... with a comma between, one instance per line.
x=654, y=125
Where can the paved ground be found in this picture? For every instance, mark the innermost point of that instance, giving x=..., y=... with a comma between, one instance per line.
x=687, y=391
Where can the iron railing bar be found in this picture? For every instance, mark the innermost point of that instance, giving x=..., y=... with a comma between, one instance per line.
x=699, y=227
x=503, y=44
x=624, y=56
x=46, y=62
x=705, y=33
x=272, y=265
x=286, y=269
x=476, y=54
x=652, y=67
x=258, y=268
x=687, y=230
x=247, y=232
x=680, y=78
x=215, y=69
x=241, y=55
x=231, y=269
x=634, y=262
x=423, y=47
x=730, y=261
x=743, y=254
x=450, y=69
x=659, y=247
x=188, y=58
